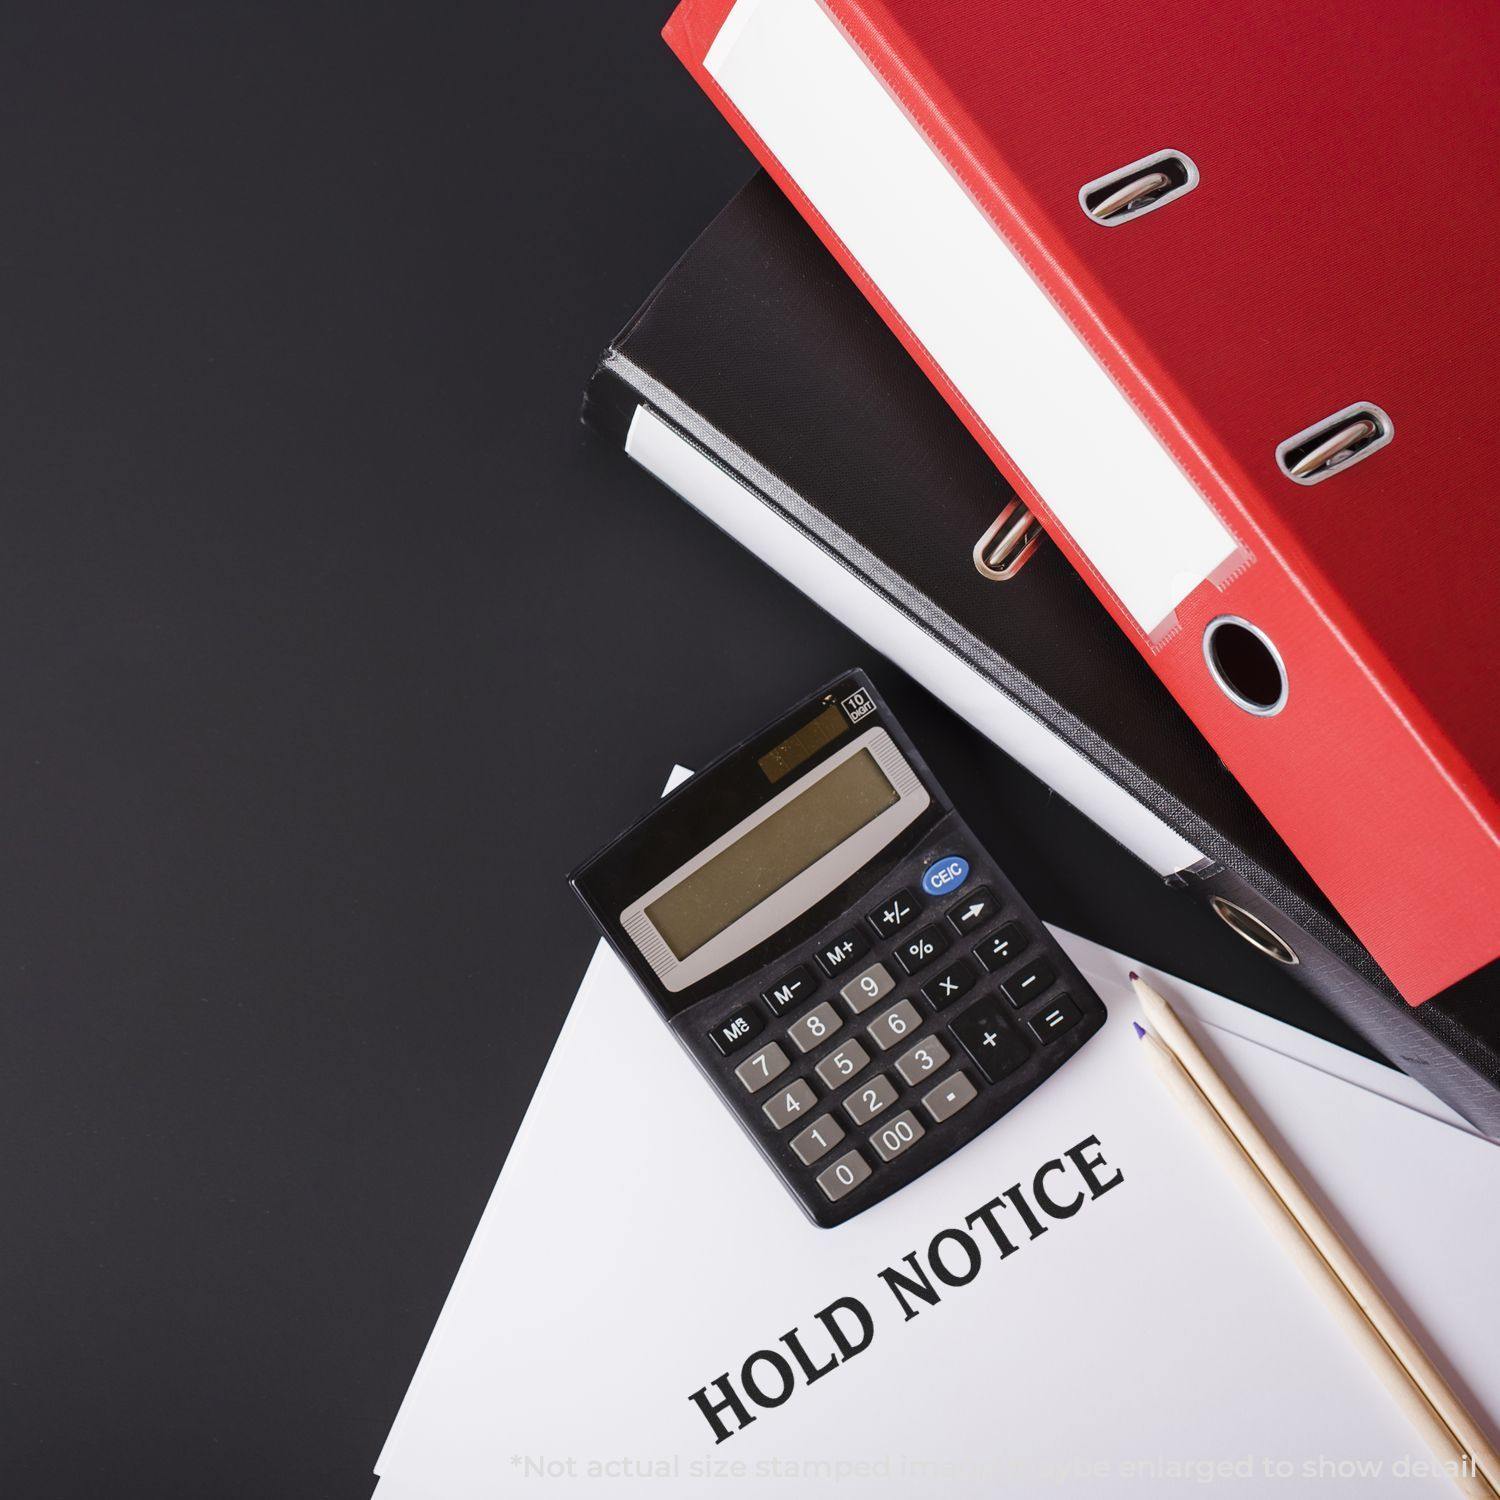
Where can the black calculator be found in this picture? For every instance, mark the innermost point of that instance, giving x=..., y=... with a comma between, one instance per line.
x=838, y=952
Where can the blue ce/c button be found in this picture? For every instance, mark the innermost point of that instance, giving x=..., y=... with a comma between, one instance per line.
x=945, y=874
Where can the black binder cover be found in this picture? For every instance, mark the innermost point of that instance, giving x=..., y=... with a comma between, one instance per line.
x=758, y=350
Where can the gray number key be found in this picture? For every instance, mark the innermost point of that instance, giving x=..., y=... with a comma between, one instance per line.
x=820, y=1022
x=843, y=1176
x=949, y=1097
x=896, y=1135
x=761, y=1067
x=788, y=1104
x=898, y=1023
x=875, y=983
x=842, y=1064
x=916, y=1063
x=870, y=1098
x=817, y=1139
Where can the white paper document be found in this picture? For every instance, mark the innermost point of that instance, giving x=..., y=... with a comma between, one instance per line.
x=1151, y=1339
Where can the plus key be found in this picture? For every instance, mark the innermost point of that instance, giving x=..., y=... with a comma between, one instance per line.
x=989, y=1039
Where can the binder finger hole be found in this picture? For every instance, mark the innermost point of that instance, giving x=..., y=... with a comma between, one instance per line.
x=1247, y=667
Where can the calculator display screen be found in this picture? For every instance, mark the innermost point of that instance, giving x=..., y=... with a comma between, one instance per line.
x=771, y=853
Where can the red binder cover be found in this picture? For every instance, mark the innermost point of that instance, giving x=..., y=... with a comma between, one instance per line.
x=1283, y=355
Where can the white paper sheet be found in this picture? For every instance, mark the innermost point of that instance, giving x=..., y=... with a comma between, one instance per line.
x=636, y=1248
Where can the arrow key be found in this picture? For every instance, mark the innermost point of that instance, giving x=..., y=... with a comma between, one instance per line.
x=974, y=911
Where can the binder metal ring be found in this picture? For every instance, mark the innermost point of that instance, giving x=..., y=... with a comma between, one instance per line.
x=1002, y=551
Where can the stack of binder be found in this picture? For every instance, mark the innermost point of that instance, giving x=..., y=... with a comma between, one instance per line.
x=1216, y=294
x=759, y=383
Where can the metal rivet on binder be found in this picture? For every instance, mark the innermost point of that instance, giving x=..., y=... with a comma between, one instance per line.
x=1132, y=191
x=1332, y=445
x=1003, y=550
x=1262, y=937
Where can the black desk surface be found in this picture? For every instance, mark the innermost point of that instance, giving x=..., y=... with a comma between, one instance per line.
x=331, y=641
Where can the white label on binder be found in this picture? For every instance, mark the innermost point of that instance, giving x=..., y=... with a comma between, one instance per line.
x=987, y=324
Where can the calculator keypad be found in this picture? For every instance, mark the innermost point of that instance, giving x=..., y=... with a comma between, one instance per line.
x=1003, y=948
x=898, y=1023
x=788, y=1105
x=843, y=1176
x=761, y=1067
x=925, y=1058
x=790, y=990
x=975, y=911
x=841, y=953
x=894, y=913
x=814, y=1142
x=957, y=995
x=869, y=1099
x=815, y=1027
x=873, y=984
x=732, y=1034
x=952, y=984
x=1062, y=1015
x=950, y=1096
x=842, y=1064
x=1029, y=983
x=990, y=1040
x=921, y=949
x=895, y=1136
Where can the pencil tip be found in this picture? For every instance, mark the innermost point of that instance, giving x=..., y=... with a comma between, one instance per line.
x=1134, y=976
x=1139, y=1029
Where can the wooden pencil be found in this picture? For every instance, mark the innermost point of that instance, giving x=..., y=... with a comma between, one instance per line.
x=1429, y=1403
